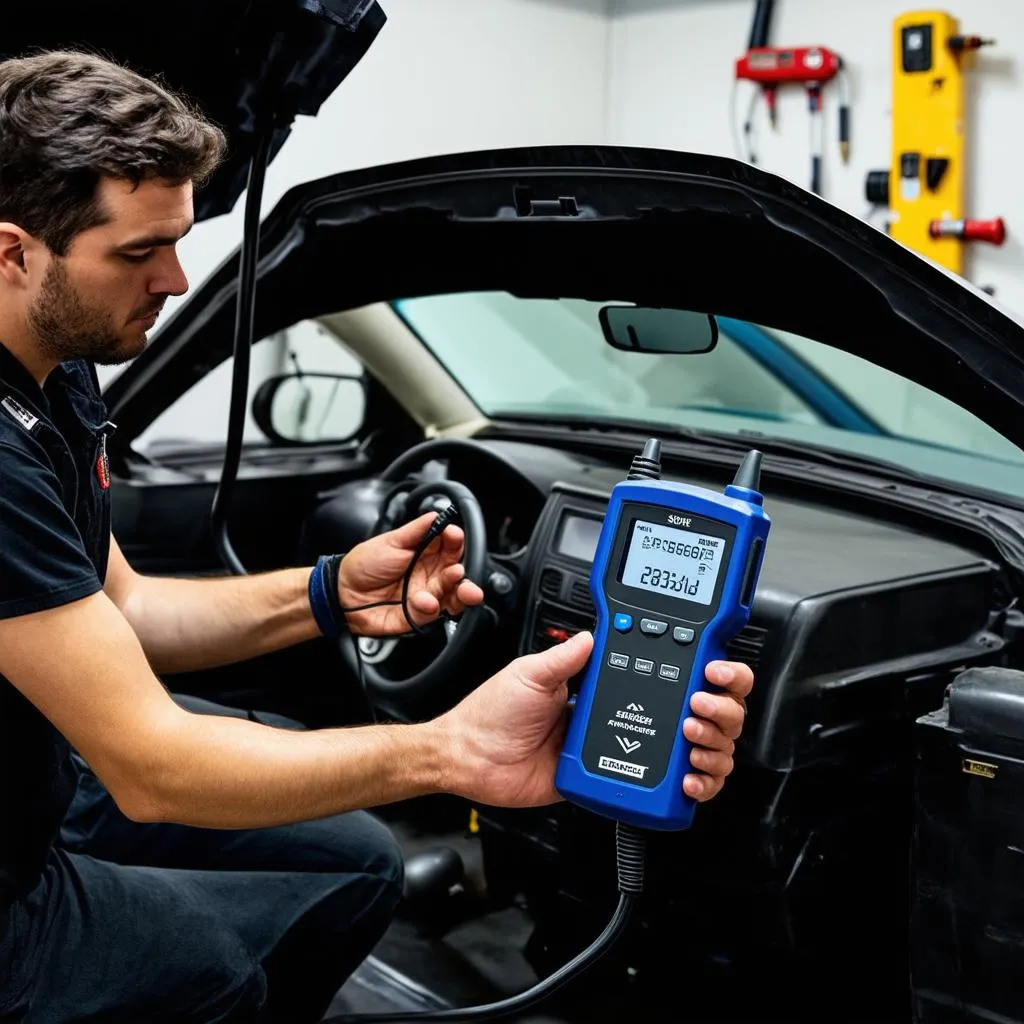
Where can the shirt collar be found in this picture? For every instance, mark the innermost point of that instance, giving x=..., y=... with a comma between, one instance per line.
x=14, y=374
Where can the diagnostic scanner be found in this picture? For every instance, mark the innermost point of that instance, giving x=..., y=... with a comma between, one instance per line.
x=673, y=580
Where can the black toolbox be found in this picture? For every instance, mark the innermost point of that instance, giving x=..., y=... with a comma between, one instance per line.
x=967, y=910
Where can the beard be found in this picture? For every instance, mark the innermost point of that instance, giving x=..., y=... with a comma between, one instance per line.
x=67, y=328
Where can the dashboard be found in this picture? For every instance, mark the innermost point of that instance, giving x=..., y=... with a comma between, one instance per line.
x=848, y=607
x=862, y=617
x=855, y=618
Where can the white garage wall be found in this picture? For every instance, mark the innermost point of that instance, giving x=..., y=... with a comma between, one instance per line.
x=671, y=74
x=442, y=76
x=451, y=75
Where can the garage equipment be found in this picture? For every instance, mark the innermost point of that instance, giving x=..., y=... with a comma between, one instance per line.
x=924, y=185
x=809, y=66
x=672, y=581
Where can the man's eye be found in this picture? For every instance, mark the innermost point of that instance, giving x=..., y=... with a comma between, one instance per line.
x=137, y=257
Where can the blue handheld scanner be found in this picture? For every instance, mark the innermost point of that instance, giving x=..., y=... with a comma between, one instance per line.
x=673, y=581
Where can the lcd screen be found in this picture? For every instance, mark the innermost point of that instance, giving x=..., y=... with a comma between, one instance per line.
x=678, y=563
x=578, y=537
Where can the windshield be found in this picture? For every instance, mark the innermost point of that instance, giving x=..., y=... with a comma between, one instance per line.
x=548, y=358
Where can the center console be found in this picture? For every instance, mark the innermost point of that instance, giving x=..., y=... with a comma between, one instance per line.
x=559, y=602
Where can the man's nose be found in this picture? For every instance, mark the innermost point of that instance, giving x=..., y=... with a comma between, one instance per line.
x=171, y=279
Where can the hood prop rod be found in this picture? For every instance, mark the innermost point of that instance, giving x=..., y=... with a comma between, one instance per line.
x=248, y=260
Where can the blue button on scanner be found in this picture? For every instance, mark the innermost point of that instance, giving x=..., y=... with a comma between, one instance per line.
x=623, y=622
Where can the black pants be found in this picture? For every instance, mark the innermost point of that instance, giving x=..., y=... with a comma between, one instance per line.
x=156, y=922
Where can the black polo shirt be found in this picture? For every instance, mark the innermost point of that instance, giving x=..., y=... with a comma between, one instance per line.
x=54, y=541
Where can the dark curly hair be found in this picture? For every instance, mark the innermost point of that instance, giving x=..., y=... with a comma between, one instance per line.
x=68, y=119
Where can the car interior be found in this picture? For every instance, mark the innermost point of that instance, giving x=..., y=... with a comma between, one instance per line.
x=866, y=610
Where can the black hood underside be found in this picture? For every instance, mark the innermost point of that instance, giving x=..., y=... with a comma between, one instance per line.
x=249, y=65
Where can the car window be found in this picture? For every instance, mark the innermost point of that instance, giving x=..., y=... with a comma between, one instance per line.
x=901, y=406
x=544, y=357
x=201, y=414
x=514, y=354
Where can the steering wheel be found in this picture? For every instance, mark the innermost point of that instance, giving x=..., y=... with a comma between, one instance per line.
x=445, y=680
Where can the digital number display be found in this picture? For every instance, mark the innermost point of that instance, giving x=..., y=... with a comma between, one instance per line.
x=667, y=560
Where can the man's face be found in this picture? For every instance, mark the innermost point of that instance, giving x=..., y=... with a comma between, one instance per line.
x=98, y=301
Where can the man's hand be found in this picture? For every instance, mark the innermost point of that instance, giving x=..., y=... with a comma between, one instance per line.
x=505, y=737
x=714, y=726
x=373, y=571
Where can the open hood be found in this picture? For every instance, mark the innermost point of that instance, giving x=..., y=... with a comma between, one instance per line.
x=604, y=223
x=241, y=61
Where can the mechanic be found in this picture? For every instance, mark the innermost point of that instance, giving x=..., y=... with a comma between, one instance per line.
x=165, y=859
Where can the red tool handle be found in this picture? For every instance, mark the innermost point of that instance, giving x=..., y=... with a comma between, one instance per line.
x=770, y=65
x=993, y=231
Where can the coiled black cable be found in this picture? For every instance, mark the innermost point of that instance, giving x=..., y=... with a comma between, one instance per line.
x=630, y=850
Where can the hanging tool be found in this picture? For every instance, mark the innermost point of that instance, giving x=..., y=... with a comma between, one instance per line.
x=809, y=66
x=817, y=134
x=992, y=231
x=924, y=185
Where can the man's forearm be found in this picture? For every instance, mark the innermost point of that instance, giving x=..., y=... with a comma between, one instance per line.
x=189, y=624
x=219, y=772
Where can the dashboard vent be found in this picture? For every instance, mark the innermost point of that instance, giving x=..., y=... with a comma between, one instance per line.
x=747, y=646
x=579, y=595
x=551, y=584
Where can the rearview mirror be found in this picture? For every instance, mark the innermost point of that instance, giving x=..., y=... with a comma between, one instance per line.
x=658, y=329
x=310, y=408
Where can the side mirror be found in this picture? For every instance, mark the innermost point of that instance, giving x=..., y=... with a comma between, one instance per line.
x=658, y=330
x=310, y=408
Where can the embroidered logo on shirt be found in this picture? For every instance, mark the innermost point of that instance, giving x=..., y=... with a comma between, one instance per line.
x=19, y=413
x=103, y=464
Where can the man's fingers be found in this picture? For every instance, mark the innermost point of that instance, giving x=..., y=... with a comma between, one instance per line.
x=714, y=762
x=549, y=669
x=706, y=734
x=453, y=540
x=469, y=593
x=463, y=591
x=702, y=787
x=451, y=574
x=411, y=533
x=724, y=711
x=733, y=676
x=424, y=602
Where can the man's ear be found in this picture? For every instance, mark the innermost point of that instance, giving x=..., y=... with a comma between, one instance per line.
x=16, y=245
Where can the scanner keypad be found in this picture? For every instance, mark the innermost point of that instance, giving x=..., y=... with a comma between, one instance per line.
x=639, y=700
x=659, y=650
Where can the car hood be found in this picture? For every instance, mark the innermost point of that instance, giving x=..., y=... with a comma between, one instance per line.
x=604, y=223
x=240, y=61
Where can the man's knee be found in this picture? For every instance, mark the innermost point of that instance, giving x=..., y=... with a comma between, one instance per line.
x=356, y=843
x=384, y=856
x=221, y=981
x=245, y=1003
